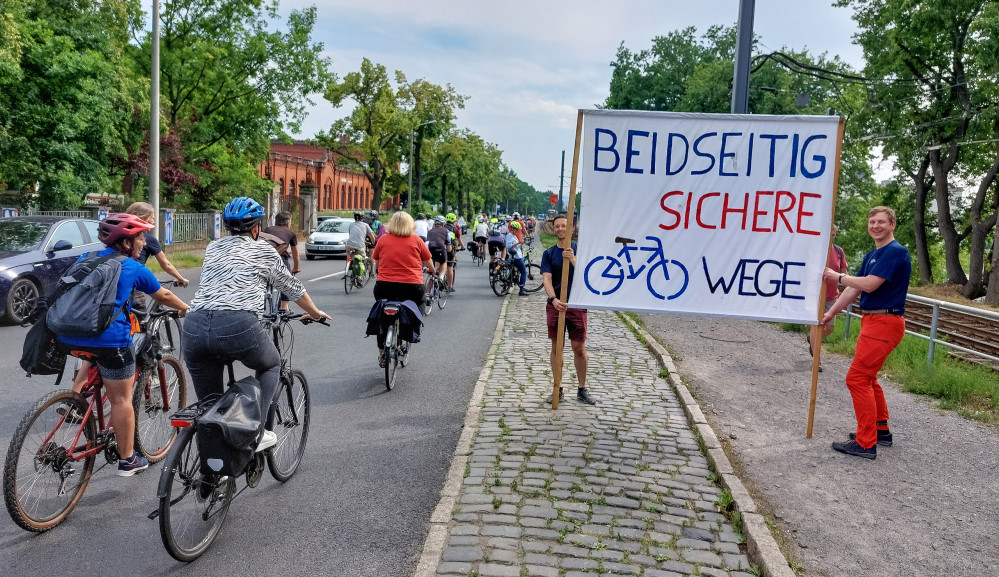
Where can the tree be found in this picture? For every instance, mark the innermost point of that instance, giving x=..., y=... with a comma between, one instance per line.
x=935, y=62
x=432, y=109
x=67, y=97
x=375, y=136
x=230, y=82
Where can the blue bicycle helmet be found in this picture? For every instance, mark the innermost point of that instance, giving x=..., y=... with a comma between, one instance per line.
x=242, y=214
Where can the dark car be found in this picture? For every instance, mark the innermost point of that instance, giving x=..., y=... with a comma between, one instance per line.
x=34, y=252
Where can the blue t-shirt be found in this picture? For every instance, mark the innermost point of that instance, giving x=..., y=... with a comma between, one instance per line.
x=551, y=262
x=892, y=263
x=119, y=333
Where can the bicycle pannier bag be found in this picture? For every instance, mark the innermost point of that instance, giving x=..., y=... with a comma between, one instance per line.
x=41, y=354
x=85, y=305
x=228, y=432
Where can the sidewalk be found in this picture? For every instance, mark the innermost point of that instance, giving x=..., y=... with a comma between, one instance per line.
x=620, y=488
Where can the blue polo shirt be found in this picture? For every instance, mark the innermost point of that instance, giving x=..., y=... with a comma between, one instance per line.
x=892, y=263
x=551, y=262
x=119, y=333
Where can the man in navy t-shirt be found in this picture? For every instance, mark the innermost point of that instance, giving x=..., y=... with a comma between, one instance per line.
x=882, y=283
x=552, y=262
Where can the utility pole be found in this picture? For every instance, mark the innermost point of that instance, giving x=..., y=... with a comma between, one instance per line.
x=743, y=53
x=561, y=182
x=154, y=122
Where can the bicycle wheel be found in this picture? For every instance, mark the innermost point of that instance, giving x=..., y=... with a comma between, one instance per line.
x=369, y=266
x=442, y=293
x=348, y=279
x=42, y=483
x=427, y=306
x=168, y=330
x=500, y=283
x=154, y=435
x=534, y=281
x=193, y=505
x=391, y=354
x=291, y=424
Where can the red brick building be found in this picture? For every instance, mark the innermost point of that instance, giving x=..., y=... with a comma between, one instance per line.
x=338, y=187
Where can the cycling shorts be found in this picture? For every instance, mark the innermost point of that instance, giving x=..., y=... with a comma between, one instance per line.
x=496, y=246
x=115, y=363
x=439, y=255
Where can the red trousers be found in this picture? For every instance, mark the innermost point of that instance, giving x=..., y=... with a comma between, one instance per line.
x=879, y=335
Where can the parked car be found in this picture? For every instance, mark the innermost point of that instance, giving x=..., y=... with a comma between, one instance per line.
x=328, y=239
x=34, y=253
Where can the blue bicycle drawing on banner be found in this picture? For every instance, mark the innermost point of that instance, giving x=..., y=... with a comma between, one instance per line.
x=657, y=276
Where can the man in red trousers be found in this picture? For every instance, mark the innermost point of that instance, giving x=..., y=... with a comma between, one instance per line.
x=882, y=283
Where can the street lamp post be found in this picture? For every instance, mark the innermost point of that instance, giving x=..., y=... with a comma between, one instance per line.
x=154, y=120
x=409, y=192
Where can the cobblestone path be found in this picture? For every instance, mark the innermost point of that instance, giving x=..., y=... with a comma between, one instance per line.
x=620, y=488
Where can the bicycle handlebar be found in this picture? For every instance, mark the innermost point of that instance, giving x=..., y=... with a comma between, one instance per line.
x=171, y=282
x=285, y=316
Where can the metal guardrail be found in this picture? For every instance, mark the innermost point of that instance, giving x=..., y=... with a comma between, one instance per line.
x=971, y=331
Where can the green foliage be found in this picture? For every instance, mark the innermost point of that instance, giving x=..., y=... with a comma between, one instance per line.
x=67, y=97
x=231, y=80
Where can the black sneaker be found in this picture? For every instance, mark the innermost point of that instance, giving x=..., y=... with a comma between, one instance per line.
x=884, y=438
x=584, y=396
x=852, y=448
x=561, y=396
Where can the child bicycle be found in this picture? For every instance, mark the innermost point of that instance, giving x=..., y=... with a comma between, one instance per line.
x=51, y=455
x=193, y=502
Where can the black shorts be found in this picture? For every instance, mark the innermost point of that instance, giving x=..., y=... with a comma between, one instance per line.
x=398, y=291
x=115, y=363
x=496, y=246
x=482, y=239
x=439, y=255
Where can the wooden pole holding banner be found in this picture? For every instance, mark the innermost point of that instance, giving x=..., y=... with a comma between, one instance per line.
x=564, y=287
x=816, y=331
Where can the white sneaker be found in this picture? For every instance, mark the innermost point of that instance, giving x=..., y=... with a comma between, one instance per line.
x=267, y=440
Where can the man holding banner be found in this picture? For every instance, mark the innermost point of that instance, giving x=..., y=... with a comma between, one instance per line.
x=552, y=262
x=882, y=283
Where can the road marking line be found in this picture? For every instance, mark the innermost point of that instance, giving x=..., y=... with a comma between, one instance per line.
x=326, y=276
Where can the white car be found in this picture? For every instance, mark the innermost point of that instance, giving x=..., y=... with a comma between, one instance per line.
x=328, y=239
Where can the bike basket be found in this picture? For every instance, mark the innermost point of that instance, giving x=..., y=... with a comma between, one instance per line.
x=228, y=431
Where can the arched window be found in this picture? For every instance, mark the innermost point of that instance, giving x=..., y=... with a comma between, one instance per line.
x=343, y=196
x=281, y=186
x=291, y=188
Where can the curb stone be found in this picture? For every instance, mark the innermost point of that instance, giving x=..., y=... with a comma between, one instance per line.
x=759, y=538
x=433, y=546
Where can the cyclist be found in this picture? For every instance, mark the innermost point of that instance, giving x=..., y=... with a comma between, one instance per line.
x=439, y=243
x=360, y=234
x=223, y=324
x=421, y=227
x=519, y=231
x=401, y=256
x=481, y=236
x=513, y=245
x=454, y=232
x=112, y=351
x=495, y=242
x=376, y=225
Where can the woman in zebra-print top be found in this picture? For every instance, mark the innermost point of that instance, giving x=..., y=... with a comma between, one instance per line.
x=223, y=323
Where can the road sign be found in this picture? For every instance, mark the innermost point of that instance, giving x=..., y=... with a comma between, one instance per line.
x=553, y=199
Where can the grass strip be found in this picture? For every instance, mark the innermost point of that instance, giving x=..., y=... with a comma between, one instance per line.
x=179, y=259
x=971, y=390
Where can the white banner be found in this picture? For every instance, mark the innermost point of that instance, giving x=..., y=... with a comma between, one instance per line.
x=705, y=214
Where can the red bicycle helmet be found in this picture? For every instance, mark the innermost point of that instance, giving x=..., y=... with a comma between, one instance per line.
x=118, y=226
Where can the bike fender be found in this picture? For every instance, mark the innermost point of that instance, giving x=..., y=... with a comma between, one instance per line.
x=183, y=437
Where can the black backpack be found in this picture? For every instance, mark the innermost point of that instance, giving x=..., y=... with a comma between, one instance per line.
x=83, y=303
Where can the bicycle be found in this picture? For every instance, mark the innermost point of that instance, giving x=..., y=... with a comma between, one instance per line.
x=193, y=504
x=351, y=280
x=503, y=275
x=396, y=349
x=51, y=456
x=434, y=291
x=613, y=275
x=479, y=256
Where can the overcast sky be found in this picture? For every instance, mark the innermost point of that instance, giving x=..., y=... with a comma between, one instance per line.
x=527, y=66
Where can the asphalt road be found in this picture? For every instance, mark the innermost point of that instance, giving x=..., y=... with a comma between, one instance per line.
x=372, y=472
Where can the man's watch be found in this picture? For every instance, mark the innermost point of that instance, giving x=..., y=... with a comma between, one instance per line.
x=840, y=281
x=550, y=299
